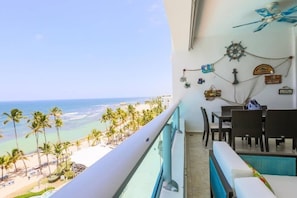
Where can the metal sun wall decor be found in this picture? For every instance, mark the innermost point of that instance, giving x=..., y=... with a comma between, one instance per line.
x=236, y=51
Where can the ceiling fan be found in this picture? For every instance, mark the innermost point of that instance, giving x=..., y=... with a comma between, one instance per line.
x=273, y=13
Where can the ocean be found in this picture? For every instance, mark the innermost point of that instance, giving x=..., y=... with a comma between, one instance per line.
x=79, y=117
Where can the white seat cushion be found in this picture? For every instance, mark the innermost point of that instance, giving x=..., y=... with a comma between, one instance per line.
x=231, y=164
x=215, y=125
x=251, y=187
x=283, y=186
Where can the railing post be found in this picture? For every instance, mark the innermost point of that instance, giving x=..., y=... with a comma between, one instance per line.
x=177, y=111
x=169, y=184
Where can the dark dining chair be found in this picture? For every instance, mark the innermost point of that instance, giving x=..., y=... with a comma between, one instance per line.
x=226, y=109
x=212, y=128
x=280, y=124
x=247, y=123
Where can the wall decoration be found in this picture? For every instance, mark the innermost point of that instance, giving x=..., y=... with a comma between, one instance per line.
x=273, y=79
x=235, y=51
x=207, y=68
x=235, y=77
x=200, y=81
x=187, y=85
x=212, y=93
x=285, y=91
x=263, y=69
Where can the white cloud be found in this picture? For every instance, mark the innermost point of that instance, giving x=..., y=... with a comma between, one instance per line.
x=156, y=11
x=155, y=7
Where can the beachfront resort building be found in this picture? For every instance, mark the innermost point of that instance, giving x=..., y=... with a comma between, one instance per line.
x=223, y=53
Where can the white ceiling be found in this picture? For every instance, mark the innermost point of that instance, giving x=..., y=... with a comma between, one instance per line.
x=191, y=19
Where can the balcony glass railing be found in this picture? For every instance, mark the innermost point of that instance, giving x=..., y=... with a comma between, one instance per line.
x=141, y=165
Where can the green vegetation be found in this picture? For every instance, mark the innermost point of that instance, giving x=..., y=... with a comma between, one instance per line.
x=32, y=194
x=120, y=124
x=124, y=122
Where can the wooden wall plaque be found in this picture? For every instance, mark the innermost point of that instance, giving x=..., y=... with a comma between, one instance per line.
x=263, y=69
x=273, y=79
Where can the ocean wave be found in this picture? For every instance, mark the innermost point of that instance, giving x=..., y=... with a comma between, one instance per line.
x=73, y=116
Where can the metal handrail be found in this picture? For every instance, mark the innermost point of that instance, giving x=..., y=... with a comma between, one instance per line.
x=105, y=177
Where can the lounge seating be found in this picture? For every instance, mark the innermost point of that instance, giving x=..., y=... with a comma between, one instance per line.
x=233, y=174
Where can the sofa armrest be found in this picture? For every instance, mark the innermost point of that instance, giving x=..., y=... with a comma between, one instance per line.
x=219, y=186
x=247, y=187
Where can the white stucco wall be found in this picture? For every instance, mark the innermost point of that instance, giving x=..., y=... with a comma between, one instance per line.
x=208, y=50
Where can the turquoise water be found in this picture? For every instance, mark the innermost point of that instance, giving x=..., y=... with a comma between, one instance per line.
x=79, y=118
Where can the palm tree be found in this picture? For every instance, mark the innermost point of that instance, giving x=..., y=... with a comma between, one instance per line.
x=96, y=134
x=44, y=123
x=56, y=112
x=14, y=116
x=89, y=138
x=2, y=162
x=46, y=150
x=107, y=116
x=35, y=129
x=57, y=151
x=110, y=133
x=66, y=146
x=7, y=162
x=16, y=155
x=77, y=144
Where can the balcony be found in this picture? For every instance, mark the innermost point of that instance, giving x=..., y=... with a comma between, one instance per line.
x=150, y=163
x=160, y=160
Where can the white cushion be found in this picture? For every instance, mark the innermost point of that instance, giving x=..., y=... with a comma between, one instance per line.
x=251, y=187
x=231, y=164
x=283, y=186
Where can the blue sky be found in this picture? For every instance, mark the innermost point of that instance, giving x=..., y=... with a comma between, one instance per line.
x=65, y=49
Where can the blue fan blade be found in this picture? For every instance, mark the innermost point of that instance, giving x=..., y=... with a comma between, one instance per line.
x=287, y=19
x=289, y=11
x=264, y=12
x=260, y=27
x=247, y=24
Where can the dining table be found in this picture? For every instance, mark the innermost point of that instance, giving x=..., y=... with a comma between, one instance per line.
x=227, y=117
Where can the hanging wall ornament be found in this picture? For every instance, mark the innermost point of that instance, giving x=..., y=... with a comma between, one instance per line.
x=187, y=85
x=207, y=68
x=235, y=51
x=273, y=79
x=183, y=78
x=212, y=93
x=263, y=69
x=235, y=82
x=200, y=81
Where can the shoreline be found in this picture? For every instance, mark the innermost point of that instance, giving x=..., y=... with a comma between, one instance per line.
x=79, y=118
x=28, y=145
x=17, y=181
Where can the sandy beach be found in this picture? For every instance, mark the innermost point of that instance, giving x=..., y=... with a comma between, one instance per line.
x=18, y=183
